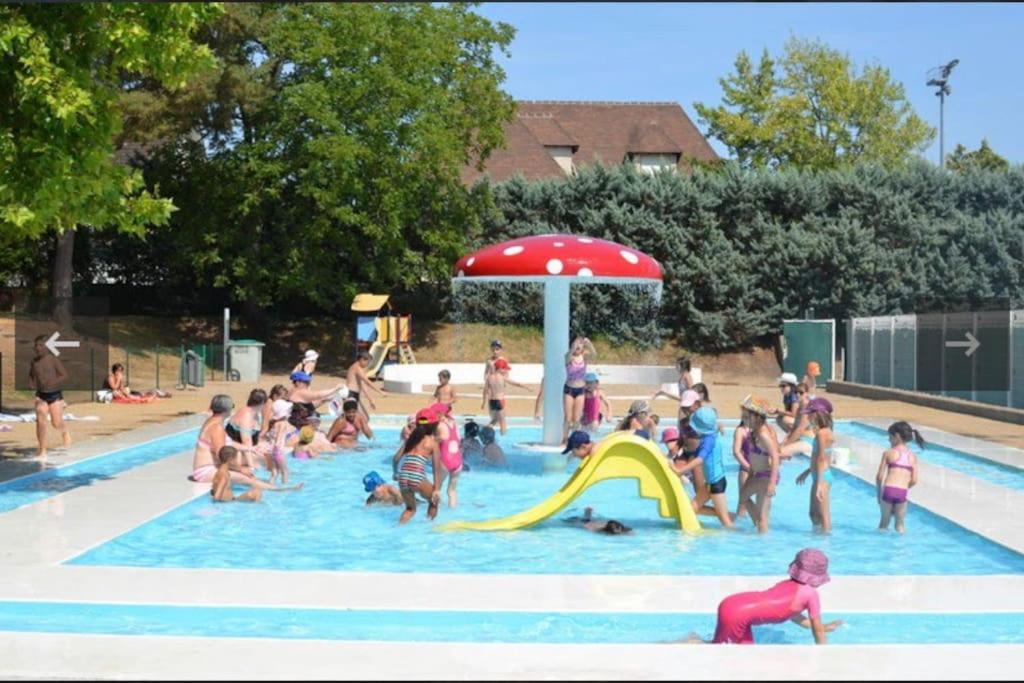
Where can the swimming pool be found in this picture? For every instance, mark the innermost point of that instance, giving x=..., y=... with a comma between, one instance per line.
x=486, y=626
x=47, y=483
x=326, y=527
x=994, y=472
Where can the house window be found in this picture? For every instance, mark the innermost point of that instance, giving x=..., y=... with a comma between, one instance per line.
x=649, y=163
x=563, y=157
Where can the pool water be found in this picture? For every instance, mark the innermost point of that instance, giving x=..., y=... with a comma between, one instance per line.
x=485, y=627
x=991, y=471
x=326, y=527
x=38, y=486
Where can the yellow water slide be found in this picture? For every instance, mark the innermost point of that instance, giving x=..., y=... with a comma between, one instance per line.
x=621, y=455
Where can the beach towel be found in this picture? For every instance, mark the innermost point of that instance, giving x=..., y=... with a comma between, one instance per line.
x=134, y=399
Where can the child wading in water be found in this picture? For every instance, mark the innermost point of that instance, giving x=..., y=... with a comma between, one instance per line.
x=820, y=412
x=418, y=450
x=761, y=451
x=450, y=448
x=220, y=489
x=897, y=473
x=278, y=431
x=593, y=400
x=709, y=458
x=494, y=393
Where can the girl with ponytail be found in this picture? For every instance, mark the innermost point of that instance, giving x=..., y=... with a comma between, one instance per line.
x=897, y=473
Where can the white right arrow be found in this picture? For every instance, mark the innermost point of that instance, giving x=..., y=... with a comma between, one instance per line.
x=55, y=345
x=971, y=344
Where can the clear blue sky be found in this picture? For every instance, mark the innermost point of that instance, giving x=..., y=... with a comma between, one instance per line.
x=677, y=52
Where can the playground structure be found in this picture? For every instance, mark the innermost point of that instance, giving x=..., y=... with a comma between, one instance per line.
x=621, y=455
x=385, y=335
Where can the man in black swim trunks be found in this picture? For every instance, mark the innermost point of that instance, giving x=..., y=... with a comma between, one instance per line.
x=46, y=374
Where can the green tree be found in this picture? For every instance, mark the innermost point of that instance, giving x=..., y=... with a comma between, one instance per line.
x=811, y=109
x=326, y=153
x=983, y=158
x=61, y=71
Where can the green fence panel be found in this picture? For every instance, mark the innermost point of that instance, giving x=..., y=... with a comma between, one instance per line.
x=809, y=340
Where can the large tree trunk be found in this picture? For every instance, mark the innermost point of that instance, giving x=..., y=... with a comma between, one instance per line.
x=62, y=272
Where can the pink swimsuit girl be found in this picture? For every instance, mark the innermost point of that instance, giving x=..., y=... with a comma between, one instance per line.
x=897, y=494
x=591, y=409
x=451, y=448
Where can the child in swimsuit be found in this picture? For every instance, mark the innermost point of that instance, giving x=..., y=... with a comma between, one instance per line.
x=761, y=452
x=472, y=448
x=897, y=473
x=820, y=412
x=418, y=451
x=450, y=448
x=593, y=400
x=575, y=383
x=304, y=448
x=276, y=439
x=445, y=392
x=230, y=457
x=709, y=460
x=494, y=393
x=492, y=453
x=381, y=493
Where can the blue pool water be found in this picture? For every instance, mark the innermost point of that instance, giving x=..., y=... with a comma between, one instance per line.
x=46, y=483
x=326, y=527
x=994, y=472
x=484, y=627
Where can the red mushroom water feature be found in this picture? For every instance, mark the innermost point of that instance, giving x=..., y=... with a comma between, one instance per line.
x=557, y=261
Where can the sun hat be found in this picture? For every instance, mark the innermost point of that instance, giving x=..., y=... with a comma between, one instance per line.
x=426, y=416
x=372, y=481
x=704, y=421
x=590, y=377
x=817, y=405
x=576, y=439
x=496, y=344
x=813, y=369
x=638, y=407
x=756, y=404
x=810, y=566
x=300, y=376
x=311, y=355
x=688, y=398
x=788, y=378
x=502, y=364
x=307, y=434
x=281, y=409
x=670, y=434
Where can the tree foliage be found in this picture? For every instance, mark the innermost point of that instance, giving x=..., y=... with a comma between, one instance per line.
x=812, y=109
x=61, y=69
x=743, y=249
x=984, y=158
x=324, y=157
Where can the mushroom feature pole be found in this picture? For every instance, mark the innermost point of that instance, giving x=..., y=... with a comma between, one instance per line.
x=556, y=344
x=557, y=262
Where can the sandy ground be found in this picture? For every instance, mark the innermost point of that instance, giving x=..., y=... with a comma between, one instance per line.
x=19, y=443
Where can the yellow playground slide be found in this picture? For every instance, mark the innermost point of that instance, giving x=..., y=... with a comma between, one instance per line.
x=378, y=353
x=621, y=455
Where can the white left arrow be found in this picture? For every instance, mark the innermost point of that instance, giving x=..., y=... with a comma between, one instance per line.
x=55, y=346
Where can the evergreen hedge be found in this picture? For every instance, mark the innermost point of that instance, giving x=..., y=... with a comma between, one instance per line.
x=744, y=249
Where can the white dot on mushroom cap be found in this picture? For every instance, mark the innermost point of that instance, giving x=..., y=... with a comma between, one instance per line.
x=512, y=251
x=554, y=266
x=585, y=272
x=471, y=261
x=630, y=256
x=586, y=240
x=462, y=273
x=559, y=244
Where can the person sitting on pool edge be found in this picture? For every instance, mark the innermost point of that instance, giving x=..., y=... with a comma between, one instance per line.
x=612, y=527
x=380, y=491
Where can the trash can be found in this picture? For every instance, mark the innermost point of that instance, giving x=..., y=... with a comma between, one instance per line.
x=245, y=360
x=192, y=367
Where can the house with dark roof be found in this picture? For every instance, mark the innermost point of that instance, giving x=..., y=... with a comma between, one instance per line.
x=553, y=139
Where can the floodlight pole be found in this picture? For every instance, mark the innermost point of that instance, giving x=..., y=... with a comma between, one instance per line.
x=942, y=84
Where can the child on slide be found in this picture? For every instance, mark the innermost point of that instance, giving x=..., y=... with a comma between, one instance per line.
x=897, y=473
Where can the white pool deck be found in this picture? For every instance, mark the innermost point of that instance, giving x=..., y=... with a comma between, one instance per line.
x=39, y=537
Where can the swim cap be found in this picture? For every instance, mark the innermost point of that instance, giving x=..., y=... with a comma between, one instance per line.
x=372, y=481
x=502, y=364
x=300, y=376
x=486, y=434
x=813, y=369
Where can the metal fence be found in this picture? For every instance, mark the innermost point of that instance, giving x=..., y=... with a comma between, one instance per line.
x=882, y=351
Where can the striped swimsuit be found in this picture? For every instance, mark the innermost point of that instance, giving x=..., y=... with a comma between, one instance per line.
x=412, y=471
